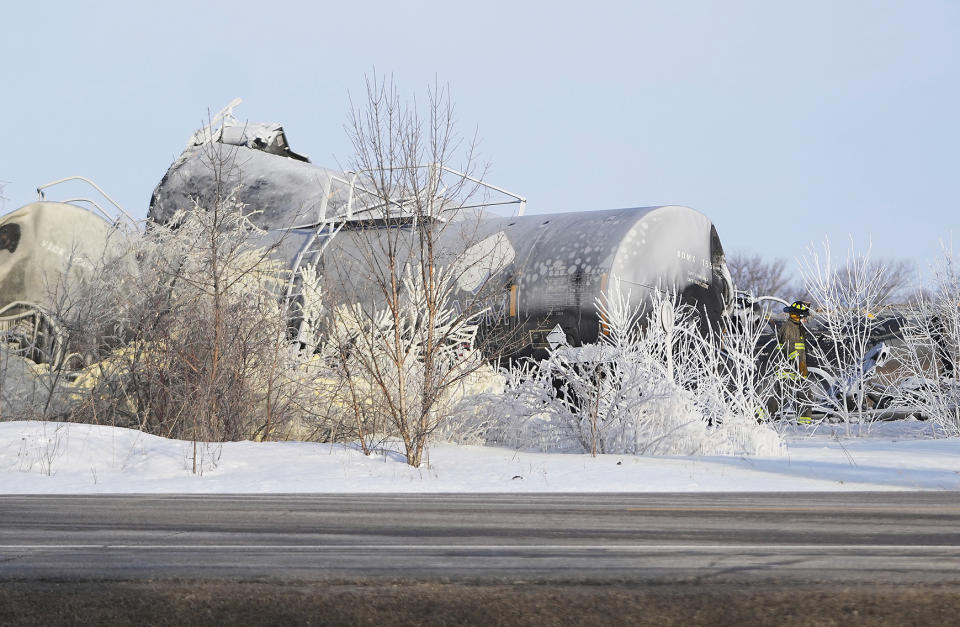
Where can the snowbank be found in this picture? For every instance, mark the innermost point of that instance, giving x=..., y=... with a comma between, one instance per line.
x=56, y=458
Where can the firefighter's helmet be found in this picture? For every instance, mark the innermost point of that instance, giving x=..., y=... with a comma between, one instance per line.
x=798, y=308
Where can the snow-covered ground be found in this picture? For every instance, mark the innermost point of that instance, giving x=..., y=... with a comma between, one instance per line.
x=45, y=458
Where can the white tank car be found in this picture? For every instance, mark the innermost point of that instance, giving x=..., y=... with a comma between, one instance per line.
x=48, y=250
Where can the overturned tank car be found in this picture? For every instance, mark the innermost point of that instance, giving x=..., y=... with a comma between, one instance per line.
x=540, y=275
x=48, y=250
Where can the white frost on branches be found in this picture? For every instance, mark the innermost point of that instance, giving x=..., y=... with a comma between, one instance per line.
x=657, y=389
x=849, y=299
x=932, y=350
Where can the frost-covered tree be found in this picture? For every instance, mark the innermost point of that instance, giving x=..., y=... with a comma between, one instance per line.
x=204, y=323
x=849, y=301
x=208, y=355
x=932, y=350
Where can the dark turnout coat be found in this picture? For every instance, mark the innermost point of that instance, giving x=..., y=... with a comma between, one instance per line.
x=793, y=345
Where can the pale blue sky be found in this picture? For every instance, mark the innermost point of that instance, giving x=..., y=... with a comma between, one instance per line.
x=782, y=121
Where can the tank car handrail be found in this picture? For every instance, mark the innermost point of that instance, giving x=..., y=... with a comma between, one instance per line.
x=520, y=199
x=775, y=299
x=322, y=219
x=42, y=196
x=438, y=169
x=18, y=303
x=28, y=309
x=206, y=133
x=40, y=314
x=354, y=185
x=106, y=216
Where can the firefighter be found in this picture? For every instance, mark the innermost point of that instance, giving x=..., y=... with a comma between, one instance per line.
x=941, y=346
x=792, y=345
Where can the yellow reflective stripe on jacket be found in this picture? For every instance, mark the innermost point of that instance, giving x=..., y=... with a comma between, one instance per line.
x=800, y=346
x=793, y=355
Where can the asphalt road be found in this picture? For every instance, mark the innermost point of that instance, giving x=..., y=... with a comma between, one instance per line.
x=875, y=538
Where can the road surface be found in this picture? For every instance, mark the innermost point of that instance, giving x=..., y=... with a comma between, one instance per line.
x=830, y=545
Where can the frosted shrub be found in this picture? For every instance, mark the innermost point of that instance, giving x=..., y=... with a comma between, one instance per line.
x=932, y=351
x=848, y=299
x=468, y=416
x=733, y=385
x=405, y=366
x=659, y=389
x=207, y=356
x=29, y=391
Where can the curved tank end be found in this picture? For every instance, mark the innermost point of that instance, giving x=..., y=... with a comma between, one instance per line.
x=674, y=249
x=43, y=241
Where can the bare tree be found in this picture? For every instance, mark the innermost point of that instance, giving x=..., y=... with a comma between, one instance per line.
x=898, y=277
x=770, y=277
x=404, y=330
x=759, y=276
